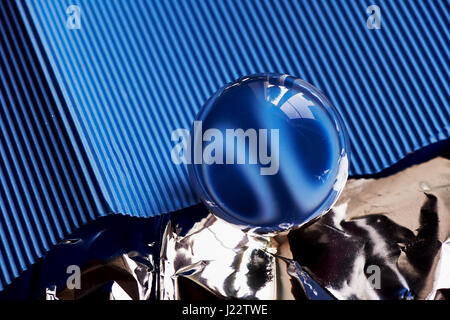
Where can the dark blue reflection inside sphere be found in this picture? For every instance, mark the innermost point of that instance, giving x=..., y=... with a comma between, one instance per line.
x=305, y=142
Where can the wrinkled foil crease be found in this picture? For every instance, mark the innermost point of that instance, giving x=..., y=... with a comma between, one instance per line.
x=396, y=227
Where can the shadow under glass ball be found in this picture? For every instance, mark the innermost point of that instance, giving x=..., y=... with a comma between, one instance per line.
x=270, y=153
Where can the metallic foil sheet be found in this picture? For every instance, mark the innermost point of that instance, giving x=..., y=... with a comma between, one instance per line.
x=382, y=240
x=386, y=238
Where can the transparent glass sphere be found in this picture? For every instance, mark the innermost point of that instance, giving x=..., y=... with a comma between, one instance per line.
x=269, y=153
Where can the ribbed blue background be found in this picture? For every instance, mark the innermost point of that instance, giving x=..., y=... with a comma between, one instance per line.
x=47, y=188
x=87, y=114
x=139, y=69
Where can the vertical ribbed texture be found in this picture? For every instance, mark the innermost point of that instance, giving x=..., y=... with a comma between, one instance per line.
x=139, y=69
x=46, y=188
x=124, y=103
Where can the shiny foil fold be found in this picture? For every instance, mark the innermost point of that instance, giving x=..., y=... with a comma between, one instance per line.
x=386, y=238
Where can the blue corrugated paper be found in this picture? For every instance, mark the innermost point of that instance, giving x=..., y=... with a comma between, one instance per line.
x=47, y=186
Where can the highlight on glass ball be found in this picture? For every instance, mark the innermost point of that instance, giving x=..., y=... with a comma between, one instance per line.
x=270, y=153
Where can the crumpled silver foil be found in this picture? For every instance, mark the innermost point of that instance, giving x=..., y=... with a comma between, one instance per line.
x=386, y=238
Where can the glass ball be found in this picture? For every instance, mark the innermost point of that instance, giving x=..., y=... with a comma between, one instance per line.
x=269, y=153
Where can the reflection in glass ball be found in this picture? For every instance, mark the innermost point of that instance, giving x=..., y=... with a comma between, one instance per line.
x=269, y=153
